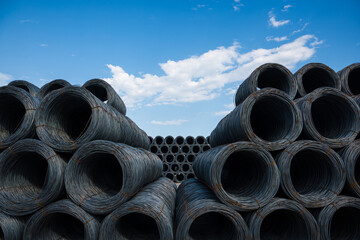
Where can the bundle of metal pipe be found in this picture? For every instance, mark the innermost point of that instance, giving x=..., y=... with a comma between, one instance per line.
x=349, y=77
x=351, y=157
x=51, y=86
x=25, y=85
x=11, y=227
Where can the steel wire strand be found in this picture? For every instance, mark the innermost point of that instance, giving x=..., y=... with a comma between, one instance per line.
x=11, y=227
x=349, y=77
x=351, y=158
x=25, y=85
x=51, y=86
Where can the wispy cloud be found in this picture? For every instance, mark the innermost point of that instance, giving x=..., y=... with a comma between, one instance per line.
x=228, y=107
x=301, y=29
x=274, y=23
x=5, y=79
x=237, y=5
x=171, y=122
x=276, y=39
x=286, y=8
x=199, y=6
x=27, y=21
x=44, y=45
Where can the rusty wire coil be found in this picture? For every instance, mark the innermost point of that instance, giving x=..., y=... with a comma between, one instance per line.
x=148, y=215
x=242, y=175
x=27, y=86
x=51, y=86
x=11, y=227
x=349, y=77
x=351, y=158
x=200, y=215
x=267, y=117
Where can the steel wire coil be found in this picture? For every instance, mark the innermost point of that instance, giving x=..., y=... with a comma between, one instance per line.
x=51, y=86
x=102, y=175
x=159, y=140
x=71, y=116
x=349, y=77
x=148, y=215
x=267, y=117
x=351, y=158
x=200, y=140
x=283, y=219
x=31, y=176
x=340, y=219
x=316, y=75
x=200, y=215
x=106, y=93
x=27, y=86
x=357, y=99
x=11, y=227
x=330, y=116
x=311, y=173
x=190, y=140
x=243, y=175
x=169, y=140
x=269, y=75
x=61, y=220
x=174, y=149
x=180, y=140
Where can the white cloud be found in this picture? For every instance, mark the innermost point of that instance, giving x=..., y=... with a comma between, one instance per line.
x=276, y=39
x=5, y=79
x=229, y=108
x=237, y=5
x=286, y=8
x=171, y=122
x=301, y=29
x=203, y=77
x=274, y=23
x=27, y=21
x=43, y=45
x=199, y=6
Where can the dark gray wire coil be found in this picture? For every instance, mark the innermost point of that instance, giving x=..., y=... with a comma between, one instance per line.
x=243, y=175
x=330, y=116
x=349, y=77
x=31, y=176
x=71, y=116
x=283, y=219
x=267, y=117
x=27, y=86
x=200, y=215
x=105, y=92
x=340, y=219
x=316, y=75
x=169, y=140
x=148, y=215
x=200, y=140
x=311, y=173
x=159, y=140
x=180, y=140
x=351, y=158
x=51, y=86
x=61, y=220
x=190, y=140
x=17, y=115
x=102, y=175
x=269, y=75
x=11, y=227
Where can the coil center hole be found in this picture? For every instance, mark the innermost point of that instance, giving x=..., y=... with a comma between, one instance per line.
x=353, y=81
x=315, y=78
x=345, y=224
x=61, y=226
x=137, y=226
x=12, y=113
x=99, y=91
x=274, y=78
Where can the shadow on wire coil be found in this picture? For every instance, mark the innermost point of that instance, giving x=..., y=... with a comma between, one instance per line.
x=11, y=227
x=269, y=75
x=105, y=92
x=311, y=173
x=17, y=115
x=349, y=78
x=101, y=175
x=31, y=176
x=69, y=117
x=267, y=117
x=351, y=158
x=283, y=219
x=243, y=175
x=340, y=219
x=329, y=116
x=200, y=215
x=28, y=87
x=51, y=86
x=61, y=220
x=148, y=215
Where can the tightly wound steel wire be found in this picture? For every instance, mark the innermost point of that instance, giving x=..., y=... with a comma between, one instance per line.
x=148, y=215
x=351, y=158
x=11, y=227
x=61, y=220
x=105, y=92
x=51, y=86
x=283, y=219
x=17, y=115
x=102, y=175
x=72, y=116
x=200, y=215
x=349, y=77
x=271, y=75
x=28, y=87
x=330, y=116
x=311, y=173
x=31, y=176
x=267, y=117
x=316, y=75
x=242, y=175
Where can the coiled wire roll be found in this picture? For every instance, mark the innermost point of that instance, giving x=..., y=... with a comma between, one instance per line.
x=200, y=215
x=28, y=87
x=51, y=86
x=311, y=173
x=243, y=175
x=351, y=158
x=71, y=116
x=330, y=116
x=316, y=75
x=268, y=75
x=11, y=227
x=283, y=219
x=105, y=92
x=340, y=219
x=101, y=175
x=148, y=215
x=349, y=77
x=17, y=115
x=31, y=176
x=267, y=117
x=61, y=220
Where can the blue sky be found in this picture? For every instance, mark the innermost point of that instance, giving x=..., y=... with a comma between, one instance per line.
x=175, y=63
